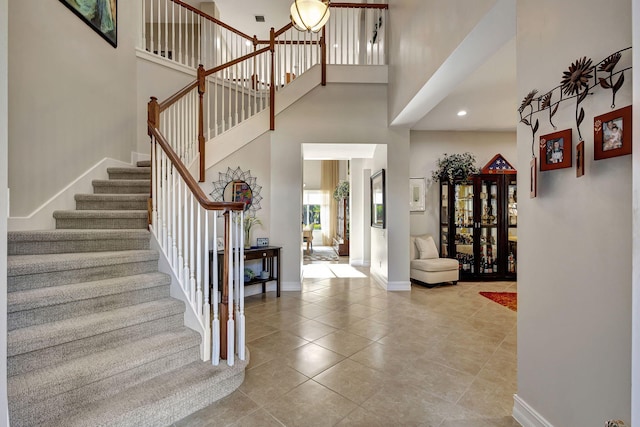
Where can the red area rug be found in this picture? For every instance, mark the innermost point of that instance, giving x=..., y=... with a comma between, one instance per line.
x=507, y=299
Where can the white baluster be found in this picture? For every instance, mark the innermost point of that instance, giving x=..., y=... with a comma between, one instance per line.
x=192, y=255
x=207, y=301
x=166, y=30
x=173, y=32
x=215, y=323
x=198, y=275
x=151, y=41
x=154, y=187
x=181, y=197
x=240, y=294
x=230, y=321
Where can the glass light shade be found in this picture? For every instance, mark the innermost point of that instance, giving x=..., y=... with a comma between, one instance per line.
x=309, y=15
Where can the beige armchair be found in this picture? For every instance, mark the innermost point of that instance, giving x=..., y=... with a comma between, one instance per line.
x=426, y=266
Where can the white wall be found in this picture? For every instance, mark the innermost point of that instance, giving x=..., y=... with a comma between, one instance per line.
x=428, y=147
x=360, y=211
x=71, y=97
x=4, y=117
x=422, y=34
x=574, y=310
x=342, y=113
x=635, y=358
x=379, y=242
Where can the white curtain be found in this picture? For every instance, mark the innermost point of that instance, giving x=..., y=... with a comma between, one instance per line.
x=329, y=178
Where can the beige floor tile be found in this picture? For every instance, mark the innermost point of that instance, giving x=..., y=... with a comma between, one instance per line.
x=488, y=399
x=309, y=405
x=338, y=319
x=370, y=329
x=310, y=330
x=343, y=342
x=311, y=359
x=363, y=418
x=270, y=380
x=221, y=413
x=311, y=311
x=259, y=418
x=352, y=380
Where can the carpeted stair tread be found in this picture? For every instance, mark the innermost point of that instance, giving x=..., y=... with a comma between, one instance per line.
x=37, y=337
x=119, y=186
x=19, y=265
x=143, y=163
x=93, y=214
x=40, y=271
x=111, y=201
x=129, y=173
x=40, y=384
x=101, y=219
x=50, y=304
x=140, y=170
x=76, y=240
x=160, y=401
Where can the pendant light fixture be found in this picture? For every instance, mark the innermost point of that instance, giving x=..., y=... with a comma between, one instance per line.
x=309, y=15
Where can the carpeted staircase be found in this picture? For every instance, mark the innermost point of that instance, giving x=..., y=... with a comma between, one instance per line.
x=94, y=337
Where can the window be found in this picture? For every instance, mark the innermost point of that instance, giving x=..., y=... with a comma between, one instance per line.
x=312, y=199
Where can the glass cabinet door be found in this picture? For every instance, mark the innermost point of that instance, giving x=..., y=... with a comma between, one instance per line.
x=512, y=226
x=489, y=255
x=444, y=219
x=463, y=216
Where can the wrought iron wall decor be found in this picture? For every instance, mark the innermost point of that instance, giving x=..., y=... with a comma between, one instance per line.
x=576, y=83
x=241, y=179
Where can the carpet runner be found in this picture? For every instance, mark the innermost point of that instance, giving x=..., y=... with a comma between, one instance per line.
x=507, y=299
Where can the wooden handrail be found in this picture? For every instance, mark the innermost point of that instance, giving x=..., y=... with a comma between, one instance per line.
x=199, y=195
x=211, y=18
x=283, y=29
x=360, y=5
x=175, y=97
x=235, y=61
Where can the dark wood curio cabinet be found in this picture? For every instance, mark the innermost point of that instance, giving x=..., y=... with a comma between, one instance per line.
x=478, y=225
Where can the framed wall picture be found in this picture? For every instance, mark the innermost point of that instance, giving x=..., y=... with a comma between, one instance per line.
x=241, y=192
x=220, y=243
x=555, y=150
x=417, y=188
x=580, y=159
x=100, y=15
x=262, y=242
x=533, y=166
x=612, y=134
x=378, y=197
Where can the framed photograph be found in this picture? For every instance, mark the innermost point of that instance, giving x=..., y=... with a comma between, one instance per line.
x=416, y=193
x=580, y=159
x=220, y=243
x=378, y=197
x=612, y=134
x=533, y=191
x=262, y=242
x=555, y=150
x=100, y=15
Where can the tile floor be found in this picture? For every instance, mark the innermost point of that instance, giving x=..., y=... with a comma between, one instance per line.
x=343, y=352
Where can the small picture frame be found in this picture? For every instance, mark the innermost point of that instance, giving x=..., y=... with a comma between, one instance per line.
x=580, y=159
x=262, y=242
x=220, y=243
x=612, y=134
x=416, y=194
x=555, y=150
x=533, y=191
x=378, y=199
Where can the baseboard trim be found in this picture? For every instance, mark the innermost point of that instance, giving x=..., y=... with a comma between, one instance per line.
x=359, y=263
x=398, y=286
x=290, y=286
x=526, y=415
x=42, y=217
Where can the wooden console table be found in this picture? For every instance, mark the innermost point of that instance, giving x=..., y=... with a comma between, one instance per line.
x=270, y=256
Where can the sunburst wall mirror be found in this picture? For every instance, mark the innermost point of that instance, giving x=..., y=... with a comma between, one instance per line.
x=236, y=185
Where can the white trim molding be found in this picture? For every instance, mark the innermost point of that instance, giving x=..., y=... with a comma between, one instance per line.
x=526, y=415
x=398, y=286
x=42, y=217
x=290, y=286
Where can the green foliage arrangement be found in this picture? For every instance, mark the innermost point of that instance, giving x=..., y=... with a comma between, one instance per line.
x=455, y=166
x=342, y=191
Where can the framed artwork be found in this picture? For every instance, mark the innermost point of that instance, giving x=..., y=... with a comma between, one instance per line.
x=220, y=243
x=555, y=150
x=378, y=197
x=100, y=15
x=416, y=193
x=533, y=191
x=580, y=159
x=241, y=192
x=612, y=134
x=262, y=242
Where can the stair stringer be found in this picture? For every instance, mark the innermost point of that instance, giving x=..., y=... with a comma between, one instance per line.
x=191, y=320
x=225, y=144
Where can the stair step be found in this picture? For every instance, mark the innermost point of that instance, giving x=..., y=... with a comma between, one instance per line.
x=58, y=389
x=112, y=201
x=121, y=186
x=129, y=173
x=52, y=304
x=52, y=334
x=38, y=271
x=101, y=219
x=160, y=401
x=143, y=163
x=68, y=240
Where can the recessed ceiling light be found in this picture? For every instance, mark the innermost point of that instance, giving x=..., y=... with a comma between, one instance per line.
x=462, y=113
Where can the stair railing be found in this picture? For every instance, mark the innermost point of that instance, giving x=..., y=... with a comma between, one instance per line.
x=183, y=220
x=185, y=35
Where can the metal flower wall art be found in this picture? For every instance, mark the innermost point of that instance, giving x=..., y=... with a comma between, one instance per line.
x=579, y=81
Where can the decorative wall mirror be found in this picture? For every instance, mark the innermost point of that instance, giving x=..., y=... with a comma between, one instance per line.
x=236, y=185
